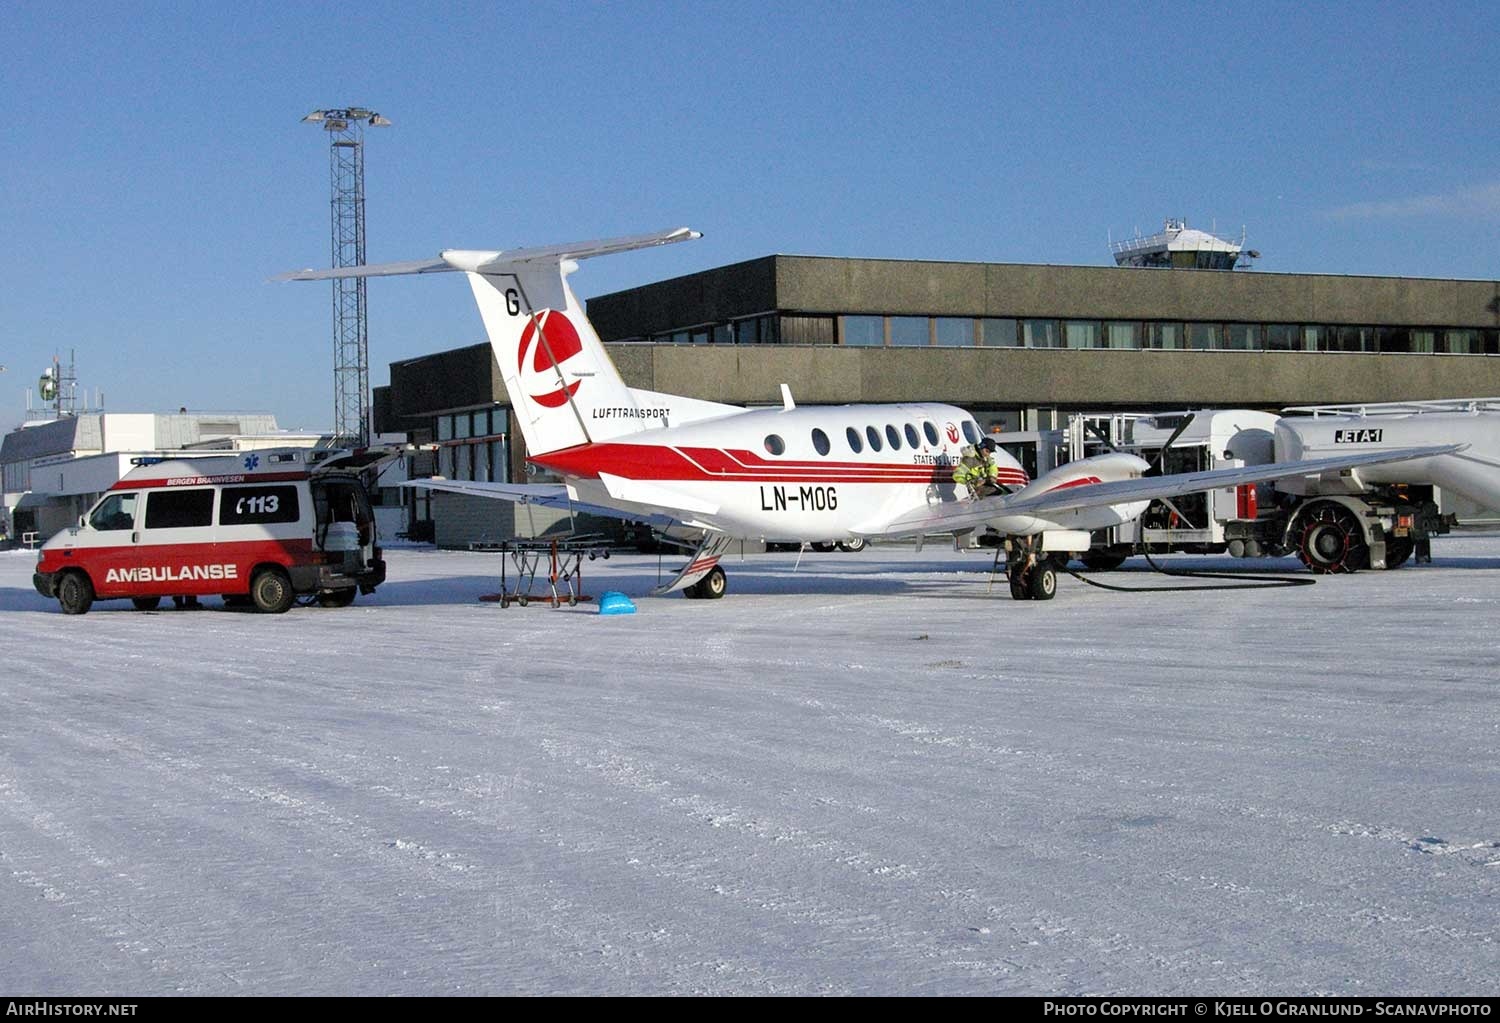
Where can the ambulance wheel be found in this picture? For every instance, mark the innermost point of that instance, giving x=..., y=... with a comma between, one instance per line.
x=75, y=594
x=1332, y=540
x=337, y=598
x=853, y=546
x=1043, y=581
x=1397, y=550
x=145, y=603
x=271, y=591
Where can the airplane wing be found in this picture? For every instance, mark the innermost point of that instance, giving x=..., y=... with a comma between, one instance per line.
x=970, y=514
x=547, y=495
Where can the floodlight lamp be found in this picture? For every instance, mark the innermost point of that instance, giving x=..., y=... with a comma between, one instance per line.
x=316, y=115
x=377, y=121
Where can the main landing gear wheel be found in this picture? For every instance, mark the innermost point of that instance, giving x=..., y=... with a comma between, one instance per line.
x=1043, y=581
x=75, y=594
x=853, y=546
x=1332, y=541
x=710, y=587
x=271, y=591
x=1037, y=581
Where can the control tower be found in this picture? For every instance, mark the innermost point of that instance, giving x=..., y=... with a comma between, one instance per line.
x=1178, y=246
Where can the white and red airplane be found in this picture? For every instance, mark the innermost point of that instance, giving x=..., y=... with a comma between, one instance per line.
x=715, y=474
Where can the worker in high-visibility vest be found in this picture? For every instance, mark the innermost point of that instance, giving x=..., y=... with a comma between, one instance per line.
x=977, y=469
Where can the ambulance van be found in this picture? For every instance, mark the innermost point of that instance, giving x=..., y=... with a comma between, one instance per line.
x=258, y=528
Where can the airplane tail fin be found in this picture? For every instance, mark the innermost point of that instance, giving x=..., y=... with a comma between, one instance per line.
x=563, y=386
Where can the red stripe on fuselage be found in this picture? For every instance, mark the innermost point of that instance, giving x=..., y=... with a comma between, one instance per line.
x=719, y=465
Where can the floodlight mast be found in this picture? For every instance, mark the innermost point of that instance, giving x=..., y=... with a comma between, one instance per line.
x=351, y=346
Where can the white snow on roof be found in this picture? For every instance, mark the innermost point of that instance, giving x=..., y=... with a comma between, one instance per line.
x=866, y=776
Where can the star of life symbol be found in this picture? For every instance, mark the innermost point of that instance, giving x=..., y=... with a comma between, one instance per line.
x=251, y=461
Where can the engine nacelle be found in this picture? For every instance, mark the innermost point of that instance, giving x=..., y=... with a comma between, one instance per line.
x=1106, y=468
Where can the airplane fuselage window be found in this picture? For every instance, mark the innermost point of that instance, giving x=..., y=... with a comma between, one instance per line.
x=911, y=437
x=854, y=442
x=873, y=436
x=893, y=437
x=931, y=432
x=820, y=441
x=774, y=444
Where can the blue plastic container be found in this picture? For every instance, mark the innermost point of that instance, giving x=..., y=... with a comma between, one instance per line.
x=615, y=603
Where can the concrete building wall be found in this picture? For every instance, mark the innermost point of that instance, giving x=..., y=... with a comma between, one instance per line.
x=924, y=288
x=460, y=378
x=1029, y=377
x=724, y=293
x=461, y=520
x=899, y=287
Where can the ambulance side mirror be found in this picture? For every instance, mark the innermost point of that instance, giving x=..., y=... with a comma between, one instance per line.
x=82, y=521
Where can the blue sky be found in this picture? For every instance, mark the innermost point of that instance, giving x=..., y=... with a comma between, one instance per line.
x=154, y=173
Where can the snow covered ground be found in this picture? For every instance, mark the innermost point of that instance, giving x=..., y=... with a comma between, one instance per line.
x=866, y=776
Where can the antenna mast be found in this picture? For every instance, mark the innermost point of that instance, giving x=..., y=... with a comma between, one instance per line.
x=351, y=339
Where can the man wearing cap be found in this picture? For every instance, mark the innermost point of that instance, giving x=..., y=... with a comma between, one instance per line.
x=977, y=469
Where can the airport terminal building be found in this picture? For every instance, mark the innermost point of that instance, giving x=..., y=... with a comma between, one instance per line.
x=1017, y=344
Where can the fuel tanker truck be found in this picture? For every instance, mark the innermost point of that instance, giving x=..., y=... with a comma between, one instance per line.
x=1371, y=517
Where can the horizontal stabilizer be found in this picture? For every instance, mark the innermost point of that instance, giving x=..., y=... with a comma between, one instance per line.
x=490, y=261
